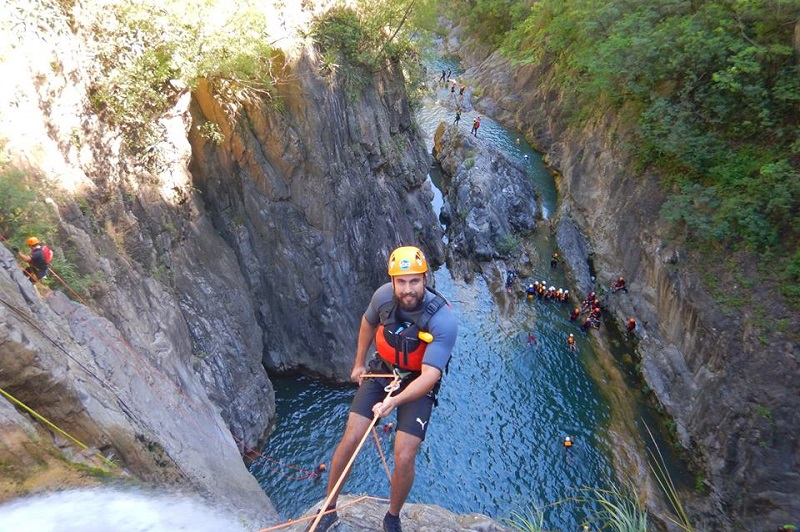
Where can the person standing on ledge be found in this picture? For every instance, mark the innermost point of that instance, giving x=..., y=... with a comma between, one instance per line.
x=414, y=331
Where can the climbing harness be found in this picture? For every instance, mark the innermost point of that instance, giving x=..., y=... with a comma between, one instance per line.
x=402, y=344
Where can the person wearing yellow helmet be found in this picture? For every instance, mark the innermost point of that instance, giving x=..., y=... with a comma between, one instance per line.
x=414, y=331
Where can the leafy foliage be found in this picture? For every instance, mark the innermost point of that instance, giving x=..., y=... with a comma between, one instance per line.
x=371, y=37
x=24, y=213
x=148, y=52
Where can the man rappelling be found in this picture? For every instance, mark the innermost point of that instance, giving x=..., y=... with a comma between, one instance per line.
x=414, y=331
x=38, y=260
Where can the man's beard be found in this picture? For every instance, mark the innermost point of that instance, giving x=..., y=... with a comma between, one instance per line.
x=412, y=305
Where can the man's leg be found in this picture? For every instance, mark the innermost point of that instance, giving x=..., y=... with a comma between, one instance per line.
x=356, y=427
x=405, y=453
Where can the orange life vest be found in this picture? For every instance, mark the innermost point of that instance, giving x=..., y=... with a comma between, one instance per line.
x=397, y=342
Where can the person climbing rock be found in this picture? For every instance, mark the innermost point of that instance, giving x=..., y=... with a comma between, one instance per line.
x=38, y=260
x=554, y=260
x=618, y=285
x=398, y=315
x=575, y=314
x=511, y=278
x=630, y=327
x=458, y=115
x=476, y=123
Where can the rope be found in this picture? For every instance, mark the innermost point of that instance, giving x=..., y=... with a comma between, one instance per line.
x=390, y=389
x=53, y=426
x=302, y=519
x=383, y=457
x=259, y=459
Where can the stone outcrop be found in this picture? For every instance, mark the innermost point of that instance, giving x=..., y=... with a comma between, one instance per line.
x=734, y=401
x=489, y=200
x=365, y=514
x=149, y=414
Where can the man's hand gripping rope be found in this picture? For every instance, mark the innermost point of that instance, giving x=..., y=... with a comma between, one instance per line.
x=389, y=389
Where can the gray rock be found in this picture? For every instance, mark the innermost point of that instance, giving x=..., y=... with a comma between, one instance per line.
x=489, y=199
x=365, y=514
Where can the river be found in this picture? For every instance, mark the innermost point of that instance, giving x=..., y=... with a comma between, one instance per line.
x=495, y=442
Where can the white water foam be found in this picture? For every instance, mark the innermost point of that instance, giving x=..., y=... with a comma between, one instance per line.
x=103, y=510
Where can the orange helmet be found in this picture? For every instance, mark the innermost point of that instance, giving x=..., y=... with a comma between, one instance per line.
x=631, y=320
x=621, y=278
x=32, y=241
x=407, y=260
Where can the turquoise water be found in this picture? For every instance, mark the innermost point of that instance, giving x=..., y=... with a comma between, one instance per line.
x=495, y=443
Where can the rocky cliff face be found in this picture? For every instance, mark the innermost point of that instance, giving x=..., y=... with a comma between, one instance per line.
x=734, y=401
x=312, y=199
x=489, y=200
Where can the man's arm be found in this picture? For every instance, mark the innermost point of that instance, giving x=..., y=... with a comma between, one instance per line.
x=365, y=335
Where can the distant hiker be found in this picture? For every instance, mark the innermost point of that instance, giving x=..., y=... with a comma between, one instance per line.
x=442, y=79
x=453, y=89
x=449, y=71
x=571, y=343
x=461, y=90
x=476, y=123
x=396, y=315
x=554, y=260
x=458, y=115
x=618, y=285
x=630, y=326
x=38, y=260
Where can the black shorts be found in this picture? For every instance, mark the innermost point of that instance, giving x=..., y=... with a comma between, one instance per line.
x=412, y=418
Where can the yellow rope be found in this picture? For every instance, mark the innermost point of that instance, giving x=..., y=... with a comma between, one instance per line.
x=52, y=426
